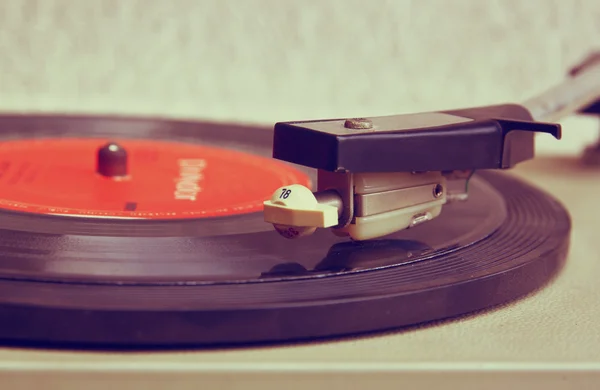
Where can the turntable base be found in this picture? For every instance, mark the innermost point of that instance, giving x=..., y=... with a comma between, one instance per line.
x=548, y=340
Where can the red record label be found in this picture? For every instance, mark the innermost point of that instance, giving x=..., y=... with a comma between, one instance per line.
x=166, y=180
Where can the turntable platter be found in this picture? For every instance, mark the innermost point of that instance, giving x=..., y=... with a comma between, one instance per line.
x=154, y=275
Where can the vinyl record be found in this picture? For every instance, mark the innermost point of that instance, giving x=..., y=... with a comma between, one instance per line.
x=173, y=250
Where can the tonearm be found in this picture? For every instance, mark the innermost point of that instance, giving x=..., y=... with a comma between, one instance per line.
x=379, y=175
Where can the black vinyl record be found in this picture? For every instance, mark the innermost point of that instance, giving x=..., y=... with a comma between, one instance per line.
x=125, y=274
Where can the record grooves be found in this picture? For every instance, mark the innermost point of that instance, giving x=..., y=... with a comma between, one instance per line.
x=232, y=279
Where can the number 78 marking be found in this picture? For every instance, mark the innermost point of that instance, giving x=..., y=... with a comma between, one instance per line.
x=285, y=193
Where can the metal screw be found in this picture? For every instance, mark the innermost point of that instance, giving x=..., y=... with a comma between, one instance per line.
x=358, y=123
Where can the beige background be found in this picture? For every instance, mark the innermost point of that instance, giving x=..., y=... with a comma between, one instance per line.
x=269, y=60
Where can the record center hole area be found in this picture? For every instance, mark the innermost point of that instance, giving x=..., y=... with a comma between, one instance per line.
x=165, y=179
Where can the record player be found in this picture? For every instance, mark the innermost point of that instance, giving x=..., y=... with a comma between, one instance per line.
x=172, y=251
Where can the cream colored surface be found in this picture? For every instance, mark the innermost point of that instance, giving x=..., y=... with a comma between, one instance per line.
x=268, y=60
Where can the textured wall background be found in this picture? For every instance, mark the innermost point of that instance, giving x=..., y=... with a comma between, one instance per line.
x=268, y=60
